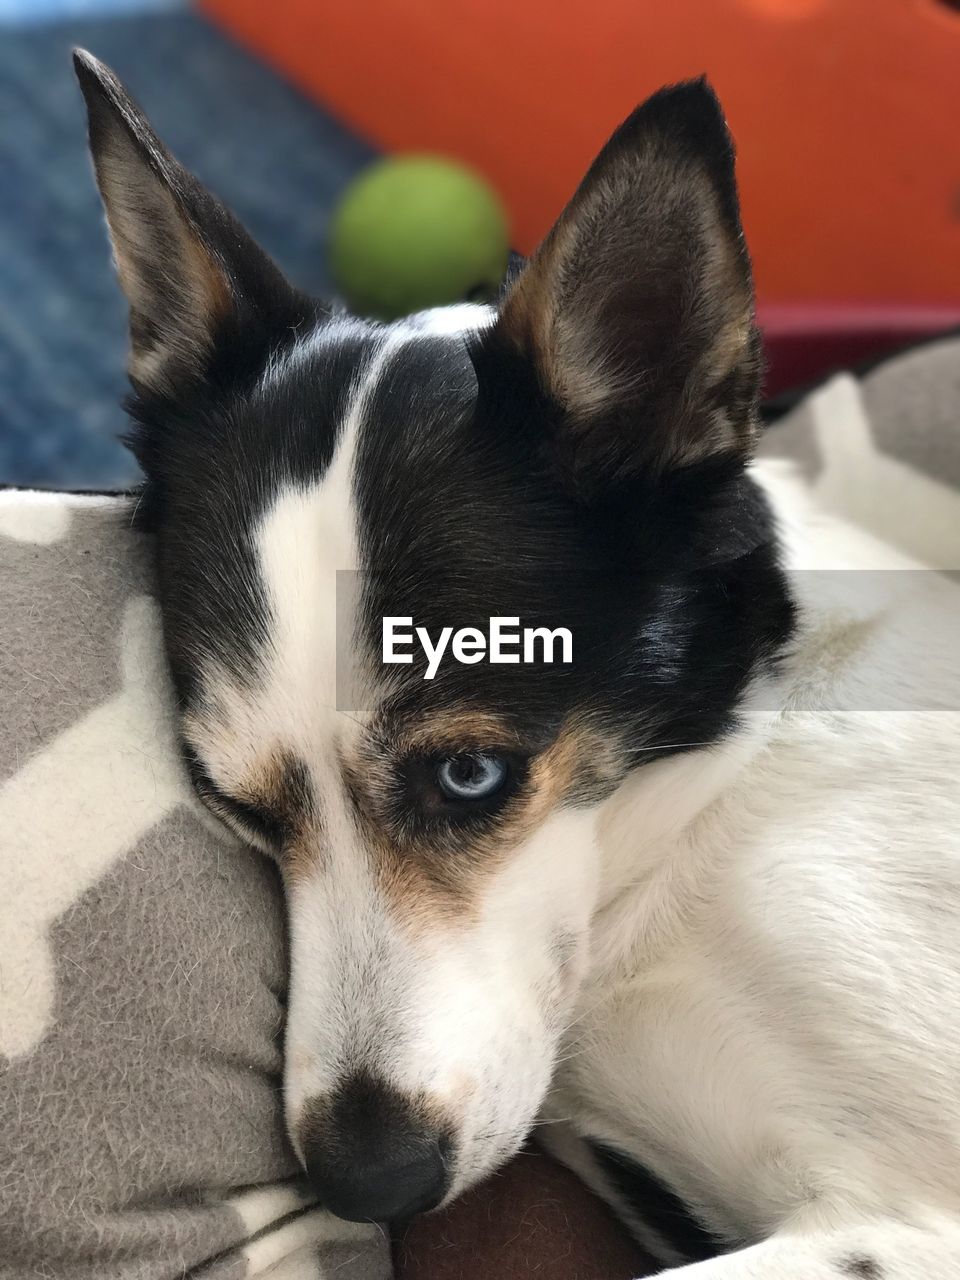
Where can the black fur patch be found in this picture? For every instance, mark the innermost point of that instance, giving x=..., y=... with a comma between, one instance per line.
x=863, y=1268
x=670, y=584
x=656, y=1205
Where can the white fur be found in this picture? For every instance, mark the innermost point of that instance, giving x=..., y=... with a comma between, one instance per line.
x=770, y=1022
x=446, y=321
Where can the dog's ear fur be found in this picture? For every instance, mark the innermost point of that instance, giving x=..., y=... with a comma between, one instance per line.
x=636, y=313
x=190, y=272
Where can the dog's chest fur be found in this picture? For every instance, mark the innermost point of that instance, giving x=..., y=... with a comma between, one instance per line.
x=765, y=1028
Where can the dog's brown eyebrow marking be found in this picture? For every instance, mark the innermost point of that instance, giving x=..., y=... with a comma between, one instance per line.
x=279, y=784
x=459, y=730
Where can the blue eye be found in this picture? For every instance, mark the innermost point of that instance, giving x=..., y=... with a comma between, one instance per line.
x=471, y=777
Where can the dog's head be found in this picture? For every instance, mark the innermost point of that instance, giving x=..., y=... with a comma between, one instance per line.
x=574, y=457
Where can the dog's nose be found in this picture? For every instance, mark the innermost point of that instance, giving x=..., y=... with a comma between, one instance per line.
x=394, y=1186
x=372, y=1155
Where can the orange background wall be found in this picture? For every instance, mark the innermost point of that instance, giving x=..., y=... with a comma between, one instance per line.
x=846, y=112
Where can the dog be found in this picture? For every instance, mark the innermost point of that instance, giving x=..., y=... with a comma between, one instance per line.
x=687, y=903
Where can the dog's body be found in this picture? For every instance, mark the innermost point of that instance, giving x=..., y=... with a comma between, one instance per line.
x=767, y=1024
x=693, y=899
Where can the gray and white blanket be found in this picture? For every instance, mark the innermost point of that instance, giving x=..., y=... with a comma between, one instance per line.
x=142, y=967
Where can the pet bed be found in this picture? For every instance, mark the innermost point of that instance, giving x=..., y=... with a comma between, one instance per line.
x=141, y=951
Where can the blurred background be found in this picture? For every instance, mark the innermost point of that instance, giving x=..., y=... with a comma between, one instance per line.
x=846, y=114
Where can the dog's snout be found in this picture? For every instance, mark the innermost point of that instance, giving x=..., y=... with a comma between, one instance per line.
x=373, y=1155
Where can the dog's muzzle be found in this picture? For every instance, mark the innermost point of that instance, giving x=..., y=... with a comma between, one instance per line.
x=374, y=1155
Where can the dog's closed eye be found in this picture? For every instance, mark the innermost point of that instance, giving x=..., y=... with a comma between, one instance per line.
x=267, y=824
x=252, y=818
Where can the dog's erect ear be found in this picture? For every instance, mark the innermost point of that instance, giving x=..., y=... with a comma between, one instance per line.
x=189, y=270
x=637, y=310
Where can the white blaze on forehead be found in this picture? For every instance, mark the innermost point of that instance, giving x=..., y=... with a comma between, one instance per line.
x=305, y=539
x=309, y=534
x=460, y=318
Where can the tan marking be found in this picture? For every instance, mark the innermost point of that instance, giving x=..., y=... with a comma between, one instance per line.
x=303, y=856
x=431, y=878
x=463, y=730
x=437, y=880
x=276, y=783
x=461, y=1087
x=299, y=1060
x=197, y=293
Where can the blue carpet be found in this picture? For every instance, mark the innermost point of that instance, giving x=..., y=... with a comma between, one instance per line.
x=24, y=11
x=276, y=159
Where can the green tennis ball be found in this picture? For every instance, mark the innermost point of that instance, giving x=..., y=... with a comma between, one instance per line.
x=414, y=232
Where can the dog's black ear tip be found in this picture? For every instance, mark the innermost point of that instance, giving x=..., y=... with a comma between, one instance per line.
x=86, y=66
x=98, y=83
x=700, y=86
x=93, y=77
x=688, y=112
x=691, y=105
